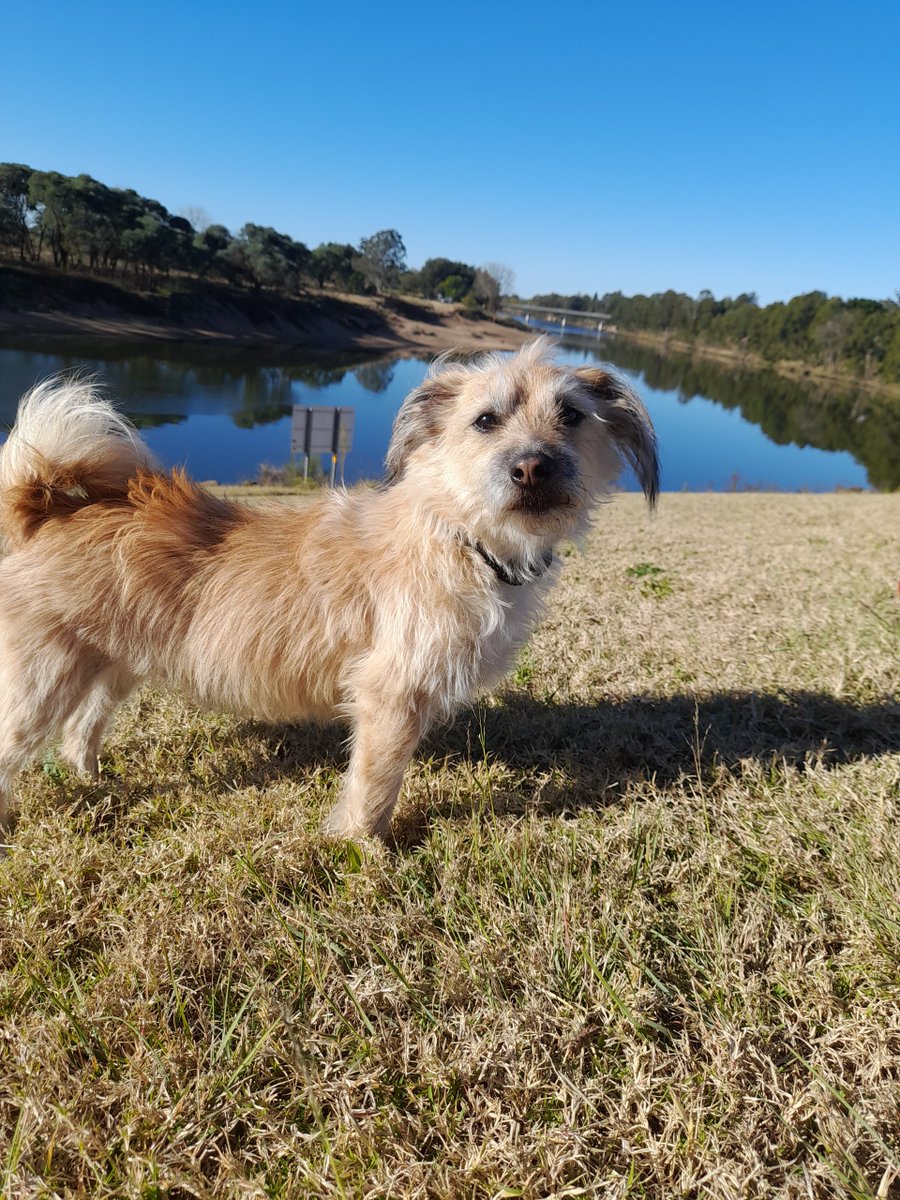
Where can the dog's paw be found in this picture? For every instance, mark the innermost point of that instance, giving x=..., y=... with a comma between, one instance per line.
x=80, y=762
x=341, y=824
x=9, y=818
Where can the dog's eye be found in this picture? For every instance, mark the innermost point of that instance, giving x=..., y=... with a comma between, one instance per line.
x=571, y=416
x=486, y=421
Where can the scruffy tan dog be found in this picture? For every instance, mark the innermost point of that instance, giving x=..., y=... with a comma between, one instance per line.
x=388, y=606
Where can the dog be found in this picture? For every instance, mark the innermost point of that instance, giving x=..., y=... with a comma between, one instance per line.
x=389, y=606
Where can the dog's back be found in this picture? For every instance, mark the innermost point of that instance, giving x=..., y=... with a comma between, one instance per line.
x=116, y=560
x=119, y=571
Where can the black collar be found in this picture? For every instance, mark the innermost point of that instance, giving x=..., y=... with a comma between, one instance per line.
x=514, y=576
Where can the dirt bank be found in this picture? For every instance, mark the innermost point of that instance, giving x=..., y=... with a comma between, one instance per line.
x=47, y=305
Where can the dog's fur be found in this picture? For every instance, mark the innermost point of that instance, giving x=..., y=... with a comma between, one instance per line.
x=389, y=606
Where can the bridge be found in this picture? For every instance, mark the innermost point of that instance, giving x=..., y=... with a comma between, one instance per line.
x=576, y=315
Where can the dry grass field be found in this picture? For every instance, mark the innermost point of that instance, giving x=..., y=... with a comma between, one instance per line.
x=639, y=935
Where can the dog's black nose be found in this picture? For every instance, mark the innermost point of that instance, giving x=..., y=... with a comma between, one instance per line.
x=531, y=470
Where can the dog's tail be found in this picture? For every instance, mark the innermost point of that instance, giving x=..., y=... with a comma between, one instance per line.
x=68, y=448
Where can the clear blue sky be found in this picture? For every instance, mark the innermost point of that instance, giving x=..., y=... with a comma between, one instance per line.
x=591, y=147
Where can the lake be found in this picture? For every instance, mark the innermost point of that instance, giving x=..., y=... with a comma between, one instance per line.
x=224, y=411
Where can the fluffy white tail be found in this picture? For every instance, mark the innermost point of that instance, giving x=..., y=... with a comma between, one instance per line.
x=69, y=447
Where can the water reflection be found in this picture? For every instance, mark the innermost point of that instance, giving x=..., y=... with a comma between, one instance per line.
x=375, y=377
x=787, y=411
x=224, y=410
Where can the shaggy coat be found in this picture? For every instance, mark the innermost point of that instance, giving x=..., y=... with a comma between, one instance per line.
x=387, y=606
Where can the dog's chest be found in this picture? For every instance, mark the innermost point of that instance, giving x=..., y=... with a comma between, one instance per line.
x=515, y=614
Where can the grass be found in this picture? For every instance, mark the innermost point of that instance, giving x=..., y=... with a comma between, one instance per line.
x=653, y=580
x=639, y=936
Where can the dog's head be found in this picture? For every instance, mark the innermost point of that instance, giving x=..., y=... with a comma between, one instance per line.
x=520, y=445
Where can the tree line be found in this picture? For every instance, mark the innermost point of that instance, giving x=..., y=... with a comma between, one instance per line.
x=78, y=223
x=862, y=336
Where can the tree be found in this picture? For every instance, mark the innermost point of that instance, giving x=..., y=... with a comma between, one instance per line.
x=494, y=280
x=198, y=217
x=15, y=208
x=486, y=290
x=209, y=243
x=436, y=270
x=332, y=262
x=504, y=275
x=831, y=332
x=126, y=208
x=147, y=243
x=51, y=196
x=154, y=240
x=455, y=287
x=381, y=258
x=271, y=259
x=232, y=262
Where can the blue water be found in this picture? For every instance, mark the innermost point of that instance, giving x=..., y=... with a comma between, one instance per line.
x=225, y=415
x=704, y=446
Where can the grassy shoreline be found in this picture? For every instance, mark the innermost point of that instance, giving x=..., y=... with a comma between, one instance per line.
x=732, y=356
x=639, y=936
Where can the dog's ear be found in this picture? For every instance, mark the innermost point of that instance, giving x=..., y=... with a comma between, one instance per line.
x=622, y=412
x=419, y=420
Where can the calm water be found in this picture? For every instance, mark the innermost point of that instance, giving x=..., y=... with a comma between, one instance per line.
x=224, y=412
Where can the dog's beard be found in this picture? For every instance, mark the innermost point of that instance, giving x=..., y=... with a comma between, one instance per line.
x=538, y=502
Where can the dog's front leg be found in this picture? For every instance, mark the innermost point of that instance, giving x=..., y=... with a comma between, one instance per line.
x=387, y=729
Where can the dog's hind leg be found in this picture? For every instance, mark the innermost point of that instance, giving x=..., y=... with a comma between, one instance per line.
x=39, y=689
x=387, y=729
x=18, y=746
x=83, y=730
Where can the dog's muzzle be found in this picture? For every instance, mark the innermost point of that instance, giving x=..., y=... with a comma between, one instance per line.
x=540, y=483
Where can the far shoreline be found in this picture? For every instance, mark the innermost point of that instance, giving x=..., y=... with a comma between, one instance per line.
x=797, y=370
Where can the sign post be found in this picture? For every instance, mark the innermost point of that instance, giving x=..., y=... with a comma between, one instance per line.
x=322, y=431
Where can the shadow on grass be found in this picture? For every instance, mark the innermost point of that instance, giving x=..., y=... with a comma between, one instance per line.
x=594, y=750
x=585, y=755
x=668, y=736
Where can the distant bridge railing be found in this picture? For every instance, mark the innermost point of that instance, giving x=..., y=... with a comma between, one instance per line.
x=575, y=315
